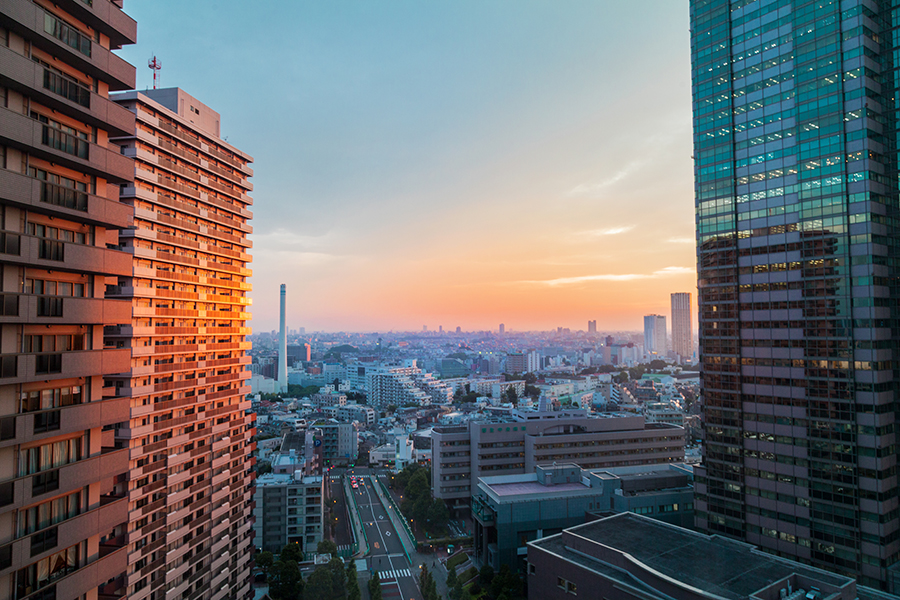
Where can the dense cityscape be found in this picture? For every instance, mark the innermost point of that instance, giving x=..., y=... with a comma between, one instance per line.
x=739, y=445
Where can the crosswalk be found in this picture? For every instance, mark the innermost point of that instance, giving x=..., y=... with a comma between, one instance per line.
x=393, y=574
x=345, y=548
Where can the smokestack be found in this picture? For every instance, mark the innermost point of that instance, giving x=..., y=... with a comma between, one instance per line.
x=282, y=345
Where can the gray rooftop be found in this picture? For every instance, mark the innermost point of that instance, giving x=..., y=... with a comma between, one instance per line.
x=713, y=564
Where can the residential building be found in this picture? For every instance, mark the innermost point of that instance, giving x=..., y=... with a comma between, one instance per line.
x=399, y=386
x=190, y=427
x=511, y=510
x=288, y=510
x=682, y=332
x=655, y=335
x=63, y=495
x=340, y=442
x=795, y=191
x=515, y=362
x=516, y=443
x=633, y=557
x=533, y=361
x=592, y=326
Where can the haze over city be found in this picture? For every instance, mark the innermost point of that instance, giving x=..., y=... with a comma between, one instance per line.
x=456, y=164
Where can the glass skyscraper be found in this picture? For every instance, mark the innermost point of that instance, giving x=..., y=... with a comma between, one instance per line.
x=795, y=147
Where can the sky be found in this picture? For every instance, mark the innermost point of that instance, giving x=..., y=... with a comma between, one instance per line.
x=449, y=163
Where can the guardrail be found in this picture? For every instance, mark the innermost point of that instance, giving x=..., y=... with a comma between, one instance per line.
x=354, y=517
x=395, y=515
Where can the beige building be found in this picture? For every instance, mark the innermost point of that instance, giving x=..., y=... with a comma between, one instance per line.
x=63, y=498
x=527, y=438
x=189, y=433
x=682, y=335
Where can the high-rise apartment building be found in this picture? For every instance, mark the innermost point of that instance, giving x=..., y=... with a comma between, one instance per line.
x=682, y=334
x=63, y=500
x=796, y=207
x=189, y=433
x=655, y=335
x=592, y=326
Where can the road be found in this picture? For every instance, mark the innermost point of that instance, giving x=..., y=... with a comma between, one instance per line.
x=386, y=551
x=342, y=536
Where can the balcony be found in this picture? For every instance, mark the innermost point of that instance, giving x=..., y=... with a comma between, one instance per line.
x=61, y=94
x=23, y=132
x=26, y=368
x=51, y=35
x=104, y=16
x=41, y=196
x=64, y=256
x=65, y=419
x=39, y=310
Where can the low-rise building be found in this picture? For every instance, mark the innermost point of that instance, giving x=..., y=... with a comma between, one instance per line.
x=632, y=557
x=511, y=510
x=340, y=442
x=516, y=443
x=288, y=510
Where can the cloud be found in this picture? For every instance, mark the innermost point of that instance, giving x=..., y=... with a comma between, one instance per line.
x=608, y=231
x=666, y=272
x=586, y=189
x=681, y=240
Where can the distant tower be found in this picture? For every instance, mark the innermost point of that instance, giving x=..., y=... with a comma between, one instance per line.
x=592, y=326
x=655, y=335
x=458, y=329
x=682, y=336
x=155, y=64
x=282, y=344
x=502, y=328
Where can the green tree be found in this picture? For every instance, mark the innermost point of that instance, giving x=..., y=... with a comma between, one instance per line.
x=457, y=590
x=511, y=396
x=291, y=552
x=375, y=587
x=265, y=560
x=438, y=515
x=338, y=578
x=353, y=592
x=486, y=575
x=451, y=577
x=532, y=391
x=327, y=547
x=285, y=581
x=320, y=585
x=530, y=378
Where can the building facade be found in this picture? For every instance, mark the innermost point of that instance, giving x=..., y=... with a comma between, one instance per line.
x=796, y=192
x=63, y=498
x=655, y=335
x=288, y=510
x=189, y=434
x=517, y=443
x=682, y=330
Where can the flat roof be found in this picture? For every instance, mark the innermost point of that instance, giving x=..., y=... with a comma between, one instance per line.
x=533, y=487
x=714, y=564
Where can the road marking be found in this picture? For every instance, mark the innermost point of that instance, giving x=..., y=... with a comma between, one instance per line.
x=388, y=533
x=394, y=574
x=376, y=545
x=381, y=516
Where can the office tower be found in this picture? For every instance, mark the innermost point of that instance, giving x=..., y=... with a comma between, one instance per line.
x=189, y=436
x=796, y=195
x=515, y=362
x=655, y=335
x=592, y=326
x=282, y=344
x=502, y=328
x=682, y=342
x=458, y=329
x=63, y=504
x=609, y=340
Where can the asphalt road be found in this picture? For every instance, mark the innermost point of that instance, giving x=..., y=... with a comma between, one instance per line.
x=386, y=550
x=342, y=536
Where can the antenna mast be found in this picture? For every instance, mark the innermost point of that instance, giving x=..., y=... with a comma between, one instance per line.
x=156, y=65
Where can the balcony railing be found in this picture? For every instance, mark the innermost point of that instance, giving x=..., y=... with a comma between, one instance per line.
x=9, y=243
x=49, y=306
x=67, y=88
x=9, y=305
x=51, y=250
x=66, y=197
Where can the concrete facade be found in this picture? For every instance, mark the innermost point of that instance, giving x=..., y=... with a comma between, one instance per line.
x=288, y=510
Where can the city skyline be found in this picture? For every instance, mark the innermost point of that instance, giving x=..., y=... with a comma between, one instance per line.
x=494, y=164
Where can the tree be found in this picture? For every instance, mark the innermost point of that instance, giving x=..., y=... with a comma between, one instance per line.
x=530, y=378
x=291, y=552
x=263, y=467
x=285, y=581
x=338, y=578
x=451, y=577
x=438, y=515
x=353, y=592
x=265, y=560
x=375, y=587
x=456, y=591
x=320, y=585
x=486, y=575
x=532, y=391
x=327, y=547
x=511, y=396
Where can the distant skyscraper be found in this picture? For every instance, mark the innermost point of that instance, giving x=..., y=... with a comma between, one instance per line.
x=282, y=343
x=440, y=329
x=458, y=329
x=502, y=328
x=189, y=487
x=655, y=335
x=609, y=340
x=592, y=326
x=795, y=145
x=682, y=334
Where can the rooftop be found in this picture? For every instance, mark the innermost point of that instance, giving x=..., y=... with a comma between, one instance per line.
x=714, y=565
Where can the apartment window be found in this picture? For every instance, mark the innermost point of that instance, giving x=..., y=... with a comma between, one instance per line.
x=67, y=34
x=44, y=572
x=43, y=541
x=33, y=343
x=61, y=191
x=62, y=137
x=49, y=456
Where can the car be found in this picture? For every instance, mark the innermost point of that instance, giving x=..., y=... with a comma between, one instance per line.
x=354, y=485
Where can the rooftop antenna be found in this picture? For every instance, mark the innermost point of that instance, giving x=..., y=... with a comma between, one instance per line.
x=156, y=65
